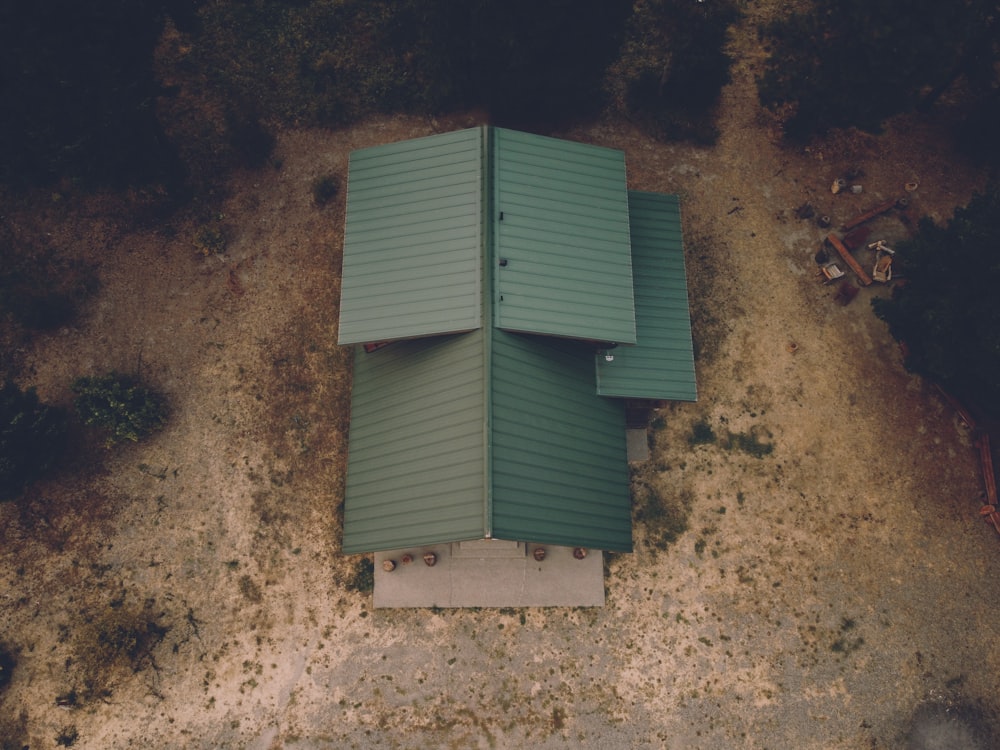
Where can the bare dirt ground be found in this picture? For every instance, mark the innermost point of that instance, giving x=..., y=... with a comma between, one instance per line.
x=823, y=593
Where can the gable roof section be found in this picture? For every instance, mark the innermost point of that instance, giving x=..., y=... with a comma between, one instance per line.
x=560, y=233
x=661, y=364
x=559, y=471
x=439, y=452
x=417, y=454
x=413, y=239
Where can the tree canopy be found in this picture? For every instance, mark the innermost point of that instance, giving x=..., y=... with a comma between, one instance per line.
x=78, y=90
x=84, y=96
x=847, y=63
x=673, y=66
x=948, y=311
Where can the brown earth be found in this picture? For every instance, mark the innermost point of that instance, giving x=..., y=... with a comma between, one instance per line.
x=834, y=578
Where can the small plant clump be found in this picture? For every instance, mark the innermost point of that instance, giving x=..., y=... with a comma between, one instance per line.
x=748, y=442
x=664, y=518
x=362, y=579
x=67, y=736
x=120, y=639
x=211, y=240
x=120, y=406
x=701, y=433
x=325, y=189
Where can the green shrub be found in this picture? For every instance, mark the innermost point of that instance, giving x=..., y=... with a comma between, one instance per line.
x=119, y=406
x=32, y=438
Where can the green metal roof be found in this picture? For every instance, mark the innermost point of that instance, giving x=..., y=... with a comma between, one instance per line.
x=502, y=430
x=661, y=364
x=450, y=441
x=417, y=452
x=561, y=238
x=560, y=471
x=413, y=239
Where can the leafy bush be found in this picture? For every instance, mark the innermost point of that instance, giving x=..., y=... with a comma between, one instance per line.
x=32, y=438
x=119, y=406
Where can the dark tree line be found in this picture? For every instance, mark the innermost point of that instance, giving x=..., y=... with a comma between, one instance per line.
x=79, y=93
x=842, y=63
x=83, y=98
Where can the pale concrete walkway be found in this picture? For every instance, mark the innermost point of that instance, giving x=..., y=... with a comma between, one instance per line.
x=490, y=574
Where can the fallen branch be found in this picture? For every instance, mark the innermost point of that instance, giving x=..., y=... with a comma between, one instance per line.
x=863, y=277
x=881, y=208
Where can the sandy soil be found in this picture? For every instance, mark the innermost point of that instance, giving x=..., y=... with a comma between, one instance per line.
x=822, y=595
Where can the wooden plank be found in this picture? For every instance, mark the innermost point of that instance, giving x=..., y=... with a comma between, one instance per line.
x=849, y=259
x=986, y=459
x=881, y=208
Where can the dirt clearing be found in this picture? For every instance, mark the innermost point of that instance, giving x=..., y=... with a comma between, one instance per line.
x=834, y=579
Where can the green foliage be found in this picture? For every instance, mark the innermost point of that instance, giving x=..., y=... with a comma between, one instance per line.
x=948, y=312
x=673, y=66
x=362, y=578
x=119, y=406
x=32, y=438
x=856, y=62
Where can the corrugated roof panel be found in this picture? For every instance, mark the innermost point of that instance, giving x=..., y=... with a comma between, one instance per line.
x=559, y=463
x=413, y=239
x=661, y=364
x=416, y=458
x=561, y=248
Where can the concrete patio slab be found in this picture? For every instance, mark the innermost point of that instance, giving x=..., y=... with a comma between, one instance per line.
x=636, y=445
x=490, y=574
